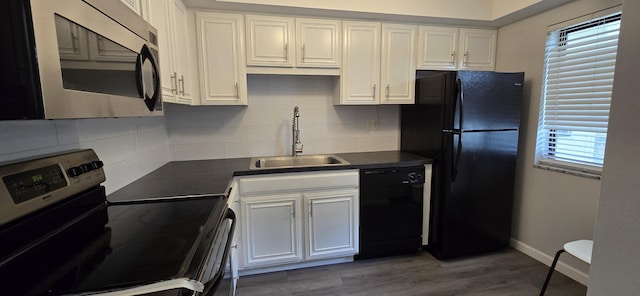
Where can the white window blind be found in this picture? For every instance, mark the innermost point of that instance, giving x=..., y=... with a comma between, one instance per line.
x=577, y=83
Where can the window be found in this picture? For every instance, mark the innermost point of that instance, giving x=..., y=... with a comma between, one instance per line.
x=578, y=79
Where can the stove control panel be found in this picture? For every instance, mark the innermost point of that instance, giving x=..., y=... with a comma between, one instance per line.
x=29, y=185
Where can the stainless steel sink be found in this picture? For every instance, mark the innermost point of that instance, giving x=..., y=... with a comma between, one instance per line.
x=275, y=162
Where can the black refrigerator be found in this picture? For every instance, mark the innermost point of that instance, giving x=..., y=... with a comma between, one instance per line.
x=467, y=122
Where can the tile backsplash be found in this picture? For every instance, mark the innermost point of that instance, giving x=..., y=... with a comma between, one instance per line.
x=133, y=147
x=129, y=147
x=264, y=128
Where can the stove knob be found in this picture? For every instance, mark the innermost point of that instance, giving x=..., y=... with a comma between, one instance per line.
x=75, y=171
x=96, y=164
x=412, y=176
x=87, y=167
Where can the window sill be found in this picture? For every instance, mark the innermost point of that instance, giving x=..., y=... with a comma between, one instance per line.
x=570, y=171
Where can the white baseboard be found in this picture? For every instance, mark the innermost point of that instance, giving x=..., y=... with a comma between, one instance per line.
x=561, y=267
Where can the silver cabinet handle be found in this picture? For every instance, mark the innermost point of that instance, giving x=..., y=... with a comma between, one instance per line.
x=453, y=58
x=75, y=42
x=374, y=90
x=466, y=58
x=310, y=209
x=174, y=83
x=237, y=91
x=286, y=52
x=387, y=91
x=293, y=211
x=303, y=53
x=100, y=45
x=182, y=84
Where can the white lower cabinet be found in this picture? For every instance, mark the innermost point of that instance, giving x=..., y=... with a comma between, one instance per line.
x=271, y=232
x=331, y=223
x=297, y=217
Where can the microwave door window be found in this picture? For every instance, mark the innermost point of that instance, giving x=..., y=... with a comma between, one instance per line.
x=148, y=78
x=92, y=63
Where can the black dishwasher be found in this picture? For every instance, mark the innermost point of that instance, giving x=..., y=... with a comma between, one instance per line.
x=390, y=211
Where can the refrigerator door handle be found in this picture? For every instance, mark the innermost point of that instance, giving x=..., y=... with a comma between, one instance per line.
x=456, y=159
x=460, y=98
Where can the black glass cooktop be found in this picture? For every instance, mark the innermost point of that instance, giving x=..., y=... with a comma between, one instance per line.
x=115, y=246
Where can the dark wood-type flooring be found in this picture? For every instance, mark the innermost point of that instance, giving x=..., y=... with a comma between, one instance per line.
x=507, y=272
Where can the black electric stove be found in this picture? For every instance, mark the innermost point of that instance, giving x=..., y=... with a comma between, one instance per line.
x=75, y=242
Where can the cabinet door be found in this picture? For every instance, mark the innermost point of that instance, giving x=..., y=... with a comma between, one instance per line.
x=437, y=48
x=135, y=5
x=398, y=70
x=103, y=49
x=159, y=17
x=271, y=232
x=72, y=41
x=269, y=41
x=318, y=43
x=332, y=223
x=223, y=78
x=182, y=54
x=478, y=49
x=360, y=79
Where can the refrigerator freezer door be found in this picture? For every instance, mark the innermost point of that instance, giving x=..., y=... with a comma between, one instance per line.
x=422, y=124
x=473, y=213
x=490, y=100
x=421, y=130
x=436, y=90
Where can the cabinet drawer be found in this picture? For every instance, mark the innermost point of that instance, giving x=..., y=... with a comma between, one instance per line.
x=298, y=181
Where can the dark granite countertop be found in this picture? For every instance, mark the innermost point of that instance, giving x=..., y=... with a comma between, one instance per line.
x=213, y=176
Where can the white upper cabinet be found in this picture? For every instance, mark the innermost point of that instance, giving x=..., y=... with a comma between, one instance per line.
x=283, y=45
x=437, y=48
x=360, y=79
x=477, y=49
x=169, y=18
x=182, y=61
x=449, y=48
x=135, y=5
x=398, y=70
x=159, y=18
x=270, y=41
x=378, y=64
x=223, y=78
x=318, y=43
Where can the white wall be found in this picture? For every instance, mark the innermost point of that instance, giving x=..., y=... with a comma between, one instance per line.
x=264, y=127
x=129, y=147
x=550, y=208
x=615, y=263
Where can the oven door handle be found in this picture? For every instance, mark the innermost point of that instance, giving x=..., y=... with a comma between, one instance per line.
x=208, y=286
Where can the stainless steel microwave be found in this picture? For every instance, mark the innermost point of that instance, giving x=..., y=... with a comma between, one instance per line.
x=77, y=59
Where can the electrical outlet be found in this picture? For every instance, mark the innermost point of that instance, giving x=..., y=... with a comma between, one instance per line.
x=373, y=124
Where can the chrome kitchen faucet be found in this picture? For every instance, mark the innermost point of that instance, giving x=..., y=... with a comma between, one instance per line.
x=296, y=147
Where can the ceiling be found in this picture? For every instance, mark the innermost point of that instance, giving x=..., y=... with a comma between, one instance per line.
x=485, y=13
